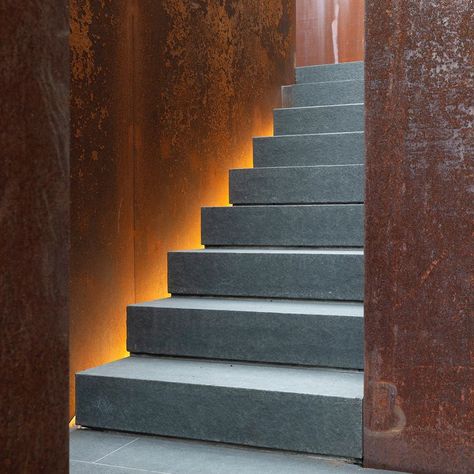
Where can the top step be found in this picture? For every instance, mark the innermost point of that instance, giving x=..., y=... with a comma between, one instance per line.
x=330, y=72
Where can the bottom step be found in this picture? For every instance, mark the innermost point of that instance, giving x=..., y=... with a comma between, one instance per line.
x=99, y=452
x=297, y=409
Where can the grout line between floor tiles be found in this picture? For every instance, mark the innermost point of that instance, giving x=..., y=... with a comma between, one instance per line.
x=115, y=450
x=120, y=467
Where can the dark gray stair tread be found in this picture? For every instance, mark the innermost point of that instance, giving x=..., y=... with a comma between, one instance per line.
x=309, y=150
x=319, y=119
x=309, y=307
x=301, y=380
x=330, y=72
x=246, y=404
x=334, y=274
x=332, y=225
x=297, y=185
x=323, y=93
x=328, y=334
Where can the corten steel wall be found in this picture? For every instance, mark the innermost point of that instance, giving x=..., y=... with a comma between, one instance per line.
x=166, y=98
x=34, y=237
x=329, y=31
x=102, y=258
x=419, y=399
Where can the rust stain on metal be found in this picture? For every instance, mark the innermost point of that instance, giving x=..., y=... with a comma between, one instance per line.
x=419, y=401
x=80, y=41
x=101, y=184
x=34, y=237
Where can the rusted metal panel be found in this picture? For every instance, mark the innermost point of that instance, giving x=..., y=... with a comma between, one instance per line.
x=419, y=398
x=102, y=235
x=329, y=31
x=34, y=237
x=166, y=97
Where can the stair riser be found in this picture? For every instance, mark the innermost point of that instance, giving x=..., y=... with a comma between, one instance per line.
x=288, y=421
x=309, y=150
x=339, y=118
x=310, y=226
x=324, y=93
x=304, y=185
x=330, y=72
x=292, y=275
x=301, y=339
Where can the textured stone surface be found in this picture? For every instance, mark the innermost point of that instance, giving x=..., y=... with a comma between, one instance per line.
x=309, y=333
x=245, y=404
x=34, y=237
x=309, y=150
x=323, y=93
x=166, y=96
x=419, y=323
x=330, y=72
x=152, y=454
x=318, y=119
x=306, y=274
x=295, y=185
x=340, y=225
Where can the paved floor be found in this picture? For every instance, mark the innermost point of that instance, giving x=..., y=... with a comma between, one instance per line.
x=101, y=452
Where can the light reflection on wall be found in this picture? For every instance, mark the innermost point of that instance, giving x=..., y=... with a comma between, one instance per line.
x=329, y=31
x=166, y=97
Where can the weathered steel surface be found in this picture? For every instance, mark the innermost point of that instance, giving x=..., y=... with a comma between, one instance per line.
x=34, y=237
x=165, y=99
x=419, y=399
x=329, y=31
x=101, y=182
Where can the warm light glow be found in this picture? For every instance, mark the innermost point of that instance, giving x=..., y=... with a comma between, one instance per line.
x=186, y=235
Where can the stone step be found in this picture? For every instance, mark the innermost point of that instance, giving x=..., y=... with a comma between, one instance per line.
x=333, y=225
x=316, y=333
x=323, y=93
x=335, y=274
x=309, y=150
x=330, y=72
x=298, y=409
x=297, y=185
x=319, y=119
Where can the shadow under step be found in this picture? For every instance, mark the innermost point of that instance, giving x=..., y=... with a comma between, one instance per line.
x=317, y=333
x=297, y=409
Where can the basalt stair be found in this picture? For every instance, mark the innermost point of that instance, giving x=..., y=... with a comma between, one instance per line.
x=261, y=342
